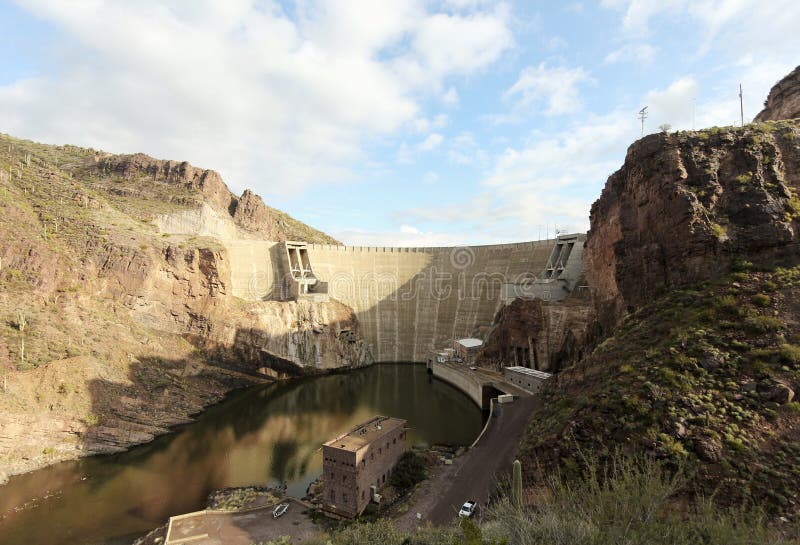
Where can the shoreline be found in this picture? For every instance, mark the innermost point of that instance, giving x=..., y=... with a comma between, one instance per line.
x=65, y=452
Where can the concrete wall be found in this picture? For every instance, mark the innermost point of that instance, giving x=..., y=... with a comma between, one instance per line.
x=470, y=385
x=412, y=300
x=408, y=301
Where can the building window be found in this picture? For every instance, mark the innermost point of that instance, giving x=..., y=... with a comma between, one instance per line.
x=363, y=495
x=344, y=498
x=333, y=496
x=344, y=478
x=394, y=441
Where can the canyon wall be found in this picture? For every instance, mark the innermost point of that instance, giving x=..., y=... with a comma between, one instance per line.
x=783, y=101
x=689, y=206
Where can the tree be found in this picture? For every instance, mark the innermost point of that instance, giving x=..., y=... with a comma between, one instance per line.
x=665, y=127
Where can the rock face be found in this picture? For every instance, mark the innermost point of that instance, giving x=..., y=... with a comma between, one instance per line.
x=783, y=101
x=537, y=334
x=248, y=211
x=685, y=207
x=129, y=329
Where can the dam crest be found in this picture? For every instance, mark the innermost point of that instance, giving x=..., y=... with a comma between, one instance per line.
x=410, y=301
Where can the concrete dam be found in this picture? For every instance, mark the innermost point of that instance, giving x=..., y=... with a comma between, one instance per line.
x=409, y=301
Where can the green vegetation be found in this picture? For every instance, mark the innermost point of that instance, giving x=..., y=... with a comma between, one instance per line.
x=632, y=501
x=516, y=483
x=719, y=231
x=698, y=378
x=409, y=471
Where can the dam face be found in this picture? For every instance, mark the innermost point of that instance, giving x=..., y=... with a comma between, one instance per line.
x=410, y=301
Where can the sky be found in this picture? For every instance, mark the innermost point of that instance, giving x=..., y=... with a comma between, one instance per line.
x=392, y=123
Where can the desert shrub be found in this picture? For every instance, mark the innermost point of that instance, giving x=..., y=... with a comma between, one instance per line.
x=410, y=470
x=790, y=353
x=632, y=501
x=761, y=300
x=762, y=324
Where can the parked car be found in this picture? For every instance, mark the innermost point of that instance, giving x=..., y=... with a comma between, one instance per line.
x=280, y=510
x=468, y=509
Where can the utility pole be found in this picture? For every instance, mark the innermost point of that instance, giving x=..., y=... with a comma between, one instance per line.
x=741, y=104
x=642, y=117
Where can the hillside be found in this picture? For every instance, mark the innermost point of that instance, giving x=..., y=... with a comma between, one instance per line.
x=111, y=329
x=692, y=260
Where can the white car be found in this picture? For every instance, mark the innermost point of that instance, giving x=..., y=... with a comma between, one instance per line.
x=468, y=509
x=280, y=510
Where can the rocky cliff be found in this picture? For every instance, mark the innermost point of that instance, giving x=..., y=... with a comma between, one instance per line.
x=693, y=264
x=783, y=101
x=686, y=207
x=248, y=211
x=113, y=330
x=538, y=334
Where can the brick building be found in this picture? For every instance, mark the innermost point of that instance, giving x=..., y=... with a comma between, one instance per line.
x=359, y=462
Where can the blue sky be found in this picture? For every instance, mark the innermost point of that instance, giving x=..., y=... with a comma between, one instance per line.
x=393, y=122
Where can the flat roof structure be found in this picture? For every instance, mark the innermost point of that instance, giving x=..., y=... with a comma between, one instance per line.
x=470, y=343
x=366, y=433
x=357, y=464
x=531, y=372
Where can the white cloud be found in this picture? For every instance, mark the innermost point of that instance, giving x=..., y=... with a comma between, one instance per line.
x=639, y=53
x=273, y=102
x=553, y=91
x=404, y=236
x=425, y=125
x=450, y=98
x=464, y=150
x=430, y=143
x=637, y=13
x=430, y=177
x=549, y=180
x=673, y=105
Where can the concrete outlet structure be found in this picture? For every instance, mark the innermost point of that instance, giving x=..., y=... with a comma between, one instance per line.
x=527, y=379
x=355, y=465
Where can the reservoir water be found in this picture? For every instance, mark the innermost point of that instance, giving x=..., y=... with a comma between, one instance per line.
x=266, y=435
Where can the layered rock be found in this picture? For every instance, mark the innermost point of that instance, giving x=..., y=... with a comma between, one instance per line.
x=129, y=329
x=248, y=211
x=538, y=334
x=685, y=207
x=783, y=101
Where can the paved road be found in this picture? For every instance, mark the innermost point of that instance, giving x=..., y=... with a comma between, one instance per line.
x=490, y=458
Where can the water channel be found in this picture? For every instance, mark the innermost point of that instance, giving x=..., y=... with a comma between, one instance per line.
x=264, y=436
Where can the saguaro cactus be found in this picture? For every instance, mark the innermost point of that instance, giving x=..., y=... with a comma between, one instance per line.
x=516, y=483
x=22, y=323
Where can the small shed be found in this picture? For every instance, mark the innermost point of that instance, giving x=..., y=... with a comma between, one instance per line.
x=467, y=348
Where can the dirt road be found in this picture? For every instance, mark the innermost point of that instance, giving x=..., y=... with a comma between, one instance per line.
x=473, y=475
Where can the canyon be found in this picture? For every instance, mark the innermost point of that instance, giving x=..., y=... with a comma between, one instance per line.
x=136, y=291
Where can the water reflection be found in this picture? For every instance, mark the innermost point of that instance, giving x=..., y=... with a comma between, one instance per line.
x=266, y=435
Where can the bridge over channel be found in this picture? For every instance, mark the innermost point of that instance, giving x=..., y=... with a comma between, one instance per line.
x=478, y=383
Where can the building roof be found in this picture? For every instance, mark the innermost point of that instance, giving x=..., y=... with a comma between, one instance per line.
x=366, y=433
x=530, y=372
x=470, y=343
